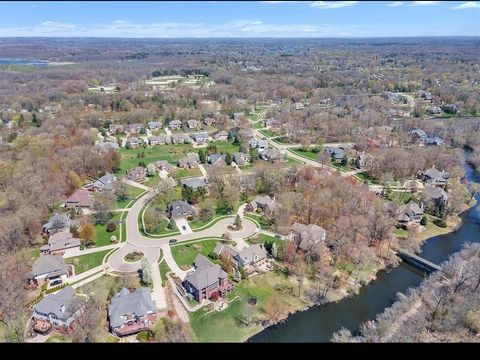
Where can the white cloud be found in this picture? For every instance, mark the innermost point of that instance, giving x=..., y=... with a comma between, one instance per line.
x=56, y=25
x=467, y=5
x=332, y=4
x=395, y=4
x=424, y=3
x=283, y=2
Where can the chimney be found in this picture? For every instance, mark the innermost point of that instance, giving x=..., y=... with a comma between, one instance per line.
x=62, y=308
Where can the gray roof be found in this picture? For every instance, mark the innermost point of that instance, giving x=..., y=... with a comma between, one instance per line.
x=163, y=163
x=57, y=221
x=219, y=248
x=213, y=158
x=106, y=181
x=180, y=208
x=195, y=183
x=335, y=152
x=51, y=265
x=309, y=234
x=189, y=159
x=160, y=138
x=63, y=304
x=263, y=201
x=206, y=273
x=258, y=143
x=154, y=124
x=105, y=146
x=61, y=240
x=200, y=137
x=174, y=123
x=434, y=193
x=125, y=302
x=271, y=154
x=248, y=253
x=436, y=175
x=220, y=134
x=241, y=158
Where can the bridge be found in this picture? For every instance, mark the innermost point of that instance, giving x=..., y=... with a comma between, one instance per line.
x=418, y=261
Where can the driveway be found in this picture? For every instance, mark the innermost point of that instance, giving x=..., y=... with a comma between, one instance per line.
x=202, y=169
x=136, y=184
x=183, y=223
x=158, y=293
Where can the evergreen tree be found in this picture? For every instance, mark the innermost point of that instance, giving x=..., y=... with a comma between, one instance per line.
x=228, y=158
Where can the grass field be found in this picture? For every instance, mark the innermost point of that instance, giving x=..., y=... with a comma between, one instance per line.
x=311, y=155
x=269, y=133
x=87, y=262
x=365, y=177
x=132, y=193
x=264, y=224
x=257, y=125
x=226, y=146
x=152, y=180
x=184, y=254
x=186, y=173
x=103, y=236
x=199, y=224
x=401, y=197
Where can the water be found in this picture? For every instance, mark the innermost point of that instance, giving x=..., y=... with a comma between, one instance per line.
x=318, y=324
x=35, y=63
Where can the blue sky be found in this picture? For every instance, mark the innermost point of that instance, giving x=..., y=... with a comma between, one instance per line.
x=240, y=19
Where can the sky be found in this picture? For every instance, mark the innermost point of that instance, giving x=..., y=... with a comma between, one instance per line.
x=230, y=19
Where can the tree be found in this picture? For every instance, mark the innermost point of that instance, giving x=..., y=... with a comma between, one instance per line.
x=202, y=156
x=223, y=207
x=103, y=206
x=228, y=158
x=146, y=271
x=207, y=210
x=238, y=222
x=87, y=234
x=121, y=190
x=274, y=310
x=273, y=250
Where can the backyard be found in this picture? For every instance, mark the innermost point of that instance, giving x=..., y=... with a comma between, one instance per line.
x=103, y=236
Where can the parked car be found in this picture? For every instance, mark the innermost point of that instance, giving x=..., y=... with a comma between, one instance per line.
x=172, y=241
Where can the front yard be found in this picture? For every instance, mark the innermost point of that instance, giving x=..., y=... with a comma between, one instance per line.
x=311, y=154
x=185, y=173
x=86, y=262
x=185, y=254
x=103, y=236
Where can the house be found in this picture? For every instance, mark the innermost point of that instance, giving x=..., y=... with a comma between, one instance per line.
x=138, y=174
x=418, y=134
x=265, y=203
x=175, y=124
x=241, y=158
x=105, y=146
x=239, y=116
x=131, y=312
x=248, y=258
x=410, y=213
x=193, y=124
x=115, y=129
x=391, y=96
x=336, y=153
x=190, y=161
x=57, y=222
x=217, y=159
x=50, y=269
x=209, y=121
x=425, y=94
x=180, y=209
x=201, y=138
x=363, y=161
x=60, y=243
x=207, y=281
x=434, y=109
x=222, y=135
x=156, y=140
x=80, y=198
x=435, y=141
x=153, y=125
x=58, y=312
x=133, y=143
x=269, y=123
x=195, y=183
x=450, y=108
x=299, y=106
x=435, y=177
x=177, y=138
x=258, y=144
x=163, y=165
x=326, y=101
x=104, y=183
x=272, y=155
x=306, y=236
x=133, y=128
x=434, y=196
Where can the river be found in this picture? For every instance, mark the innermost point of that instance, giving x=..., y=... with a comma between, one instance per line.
x=318, y=324
x=35, y=63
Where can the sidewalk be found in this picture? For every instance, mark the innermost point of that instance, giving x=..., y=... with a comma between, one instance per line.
x=93, y=250
x=158, y=293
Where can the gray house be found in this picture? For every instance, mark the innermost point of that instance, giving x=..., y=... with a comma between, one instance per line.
x=175, y=124
x=131, y=312
x=217, y=158
x=241, y=158
x=189, y=161
x=195, y=183
x=258, y=144
x=51, y=269
x=335, y=153
x=434, y=196
x=222, y=135
x=156, y=140
x=57, y=222
x=60, y=243
x=435, y=177
x=152, y=125
x=180, y=208
x=266, y=203
x=104, y=183
x=306, y=236
x=133, y=143
x=410, y=213
x=201, y=138
x=272, y=155
x=248, y=258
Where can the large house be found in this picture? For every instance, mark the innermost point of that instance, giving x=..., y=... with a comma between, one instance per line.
x=133, y=143
x=156, y=140
x=434, y=109
x=193, y=124
x=241, y=158
x=180, y=209
x=58, y=312
x=214, y=159
x=190, y=161
x=61, y=243
x=105, y=146
x=134, y=128
x=195, y=183
x=306, y=236
x=270, y=123
x=153, y=125
x=410, y=213
x=175, y=124
x=131, y=312
x=434, y=196
x=222, y=135
x=272, y=155
x=105, y=183
x=258, y=144
x=207, y=281
x=209, y=121
x=248, y=258
x=201, y=138
x=51, y=269
x=115, y=129
x=435, y=177
x=335, y=153
x=138, y=174
x=178, y=138
x=163, y=165
x=57, y=222
x=80, y=198
x=265, y=203
x=363, y=161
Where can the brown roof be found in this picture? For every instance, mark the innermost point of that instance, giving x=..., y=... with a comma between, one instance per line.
x=80, y=198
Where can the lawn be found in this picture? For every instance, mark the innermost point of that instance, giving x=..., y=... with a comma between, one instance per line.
x=184, y=254
x=163, y=230
x=164, y=269
x=87, y=262
x=224, y=327
x=152, y=180
x=310, y=154
x=186, y=173
x=103, y=236
x=263, y=239
x=199, y=224
x=132, y=193
x=400, y=232
x=257, y=125
x=268, y=133
x=401, y=197
x=264, y=223
x=226, y=146
x=365, y=177
x=343, y=167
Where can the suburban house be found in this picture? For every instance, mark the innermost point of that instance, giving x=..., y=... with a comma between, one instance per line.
x=299, y=106
x=177, y=138
x=80, y=198
x=153, y=125
x=217, y=158
x=181, y=208
x=265, y=203
x=175, y=124
x=434, y=109
x=61, y=243
x=195, y=183
x=58, y=312
x=410, y=213
x=209, y=121
x=201, y=138
x=138, y=174
x=156, y=140
x=105, y=146
x=434, y=196
x=190, y=161
x=272, y=155
x=163, y=165
x=425, y=95
x=335, y=153
x=419, y=134
x=104, y=183
x=269, y=123
x=238, y=116
x=363, y=161
x=57, y=222
x=133, y=143
x=193, y=124
x=248, y=258
x=131, y=312
x=306, y=236
x=222, y=135
x=207, y=281
x=435, y=177
x=50, y=269
x=258, y=144
x=241, y=158
x=115, y=129
x=435, y=141
x=133, y=128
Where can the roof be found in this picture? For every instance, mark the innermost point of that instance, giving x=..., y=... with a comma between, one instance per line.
x=336, y=152
x=153, y=124
x=174, y=122
x=133, y=140
x=61, y=240
x=240, y=158
x=52, y=265
x=195, y=183
x=206, y=273
x=219, y=248
x=272, y=154
x=58, y=221
x=263, y=200
x=81, y=198
x=125, y=302
x=163, y=164
x=309, y=234
x=200, y=137
x=433, y=192
x=105, y=181
x=180, y=208
x=248, y=253
x=213, y=158
x=189, y=158
x=436, y=174
x=160, y=138
x=63, y=304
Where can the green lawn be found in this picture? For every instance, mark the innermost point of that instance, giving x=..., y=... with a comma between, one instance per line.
x=262, y=239
x=184, y=254
x=102, y=236
x=310, y=154
x=257, y=125
x=269, y=133
x=223, y=326
x=186, y=173
x=226, y=146
x=164, y=269
x=87, y=262
x=365, y=177
x=343, y=167
x=264, y=223
x=132, y=193
x=34, y=253
x=401, y=197
x=152, y=180
x=199, y=224
x=400, y=232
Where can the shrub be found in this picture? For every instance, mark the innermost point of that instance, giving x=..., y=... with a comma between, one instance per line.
x=44, y=286
x=213, y=255
x=111, y=227
x=424, y=220
x=144, y=336
x=440, y=223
